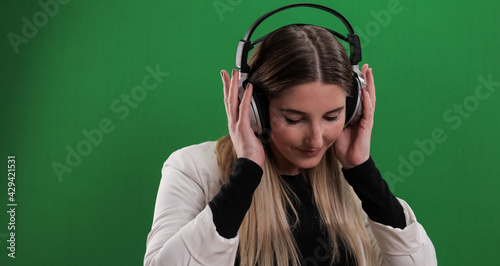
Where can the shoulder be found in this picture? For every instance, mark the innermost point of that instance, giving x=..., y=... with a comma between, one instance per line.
x=196, y=152
x=196, y=163
x=199, y=157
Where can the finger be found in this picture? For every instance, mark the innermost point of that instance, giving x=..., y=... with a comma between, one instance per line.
x=368, y=109
x=370, y=83
x=365, y=72
x=245, y=105
x=226, y=85
x=233, y=90
x=364, y=68
x=368, y=94
x=225, y=78
x=232, y=97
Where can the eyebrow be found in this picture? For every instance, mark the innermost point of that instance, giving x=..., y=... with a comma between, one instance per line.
x=287, y=110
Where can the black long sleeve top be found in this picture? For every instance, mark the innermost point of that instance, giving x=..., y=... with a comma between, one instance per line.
x=230, y=205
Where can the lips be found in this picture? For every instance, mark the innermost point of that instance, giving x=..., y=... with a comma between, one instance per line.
x=310, y=152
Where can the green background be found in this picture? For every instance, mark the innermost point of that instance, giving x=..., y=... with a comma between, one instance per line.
x=428, y=59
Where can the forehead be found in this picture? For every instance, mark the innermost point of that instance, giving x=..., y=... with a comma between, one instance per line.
x=312, y=94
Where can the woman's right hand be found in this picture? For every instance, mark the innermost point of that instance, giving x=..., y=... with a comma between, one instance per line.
x=245, y=143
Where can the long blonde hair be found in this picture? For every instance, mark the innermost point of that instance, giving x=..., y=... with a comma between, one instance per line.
x=291, y=56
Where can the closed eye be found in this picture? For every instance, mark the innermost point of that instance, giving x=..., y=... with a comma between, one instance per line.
x=291, y=121
x=327, y=116
x=331, y=119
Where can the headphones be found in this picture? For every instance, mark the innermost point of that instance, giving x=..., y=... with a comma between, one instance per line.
x=259, y=108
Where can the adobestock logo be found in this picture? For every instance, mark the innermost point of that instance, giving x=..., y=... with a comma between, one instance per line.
x=222, y=7
x=121, y=106
x=322, y=252
x=40, y=19
x=454, y=117
x=381, y=19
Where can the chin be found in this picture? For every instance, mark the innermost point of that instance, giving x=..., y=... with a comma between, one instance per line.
x=312, y=165
x=293, y=159
x=308, y=163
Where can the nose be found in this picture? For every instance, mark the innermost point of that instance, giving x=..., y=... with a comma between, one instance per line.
x=314, y=136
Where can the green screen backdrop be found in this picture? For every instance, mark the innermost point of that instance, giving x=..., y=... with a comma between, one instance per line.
x=96, y=95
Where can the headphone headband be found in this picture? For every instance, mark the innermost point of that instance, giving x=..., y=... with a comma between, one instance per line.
x=259, y=106
x=245, y=45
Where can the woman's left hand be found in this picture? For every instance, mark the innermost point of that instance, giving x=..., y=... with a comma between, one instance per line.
x=352, y=148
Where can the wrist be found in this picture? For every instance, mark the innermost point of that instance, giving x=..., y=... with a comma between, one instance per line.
x=366, y=165
x=354, y=163
x=249, y=165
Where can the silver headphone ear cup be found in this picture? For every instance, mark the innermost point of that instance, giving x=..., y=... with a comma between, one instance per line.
x=357, y=107
x=355, y=103
x=253, y=114
x=254, y=117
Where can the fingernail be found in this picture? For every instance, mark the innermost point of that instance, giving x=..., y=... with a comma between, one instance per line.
x=234, y=72
x=222, y=73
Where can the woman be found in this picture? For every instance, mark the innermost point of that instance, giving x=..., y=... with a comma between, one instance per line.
x=310, y=196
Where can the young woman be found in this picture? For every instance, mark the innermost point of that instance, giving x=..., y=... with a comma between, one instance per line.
x=310, y=195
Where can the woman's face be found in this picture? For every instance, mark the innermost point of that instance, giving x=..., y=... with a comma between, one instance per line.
x=305, y=121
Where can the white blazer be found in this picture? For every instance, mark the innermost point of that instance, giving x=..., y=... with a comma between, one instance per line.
x=183, y=232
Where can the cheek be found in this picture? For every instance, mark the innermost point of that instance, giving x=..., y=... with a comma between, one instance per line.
x=281, y=133
x=333, y=132
x=337, y=127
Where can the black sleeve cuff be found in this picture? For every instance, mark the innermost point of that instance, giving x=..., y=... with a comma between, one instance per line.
x=230, y=205
x=377, y=200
